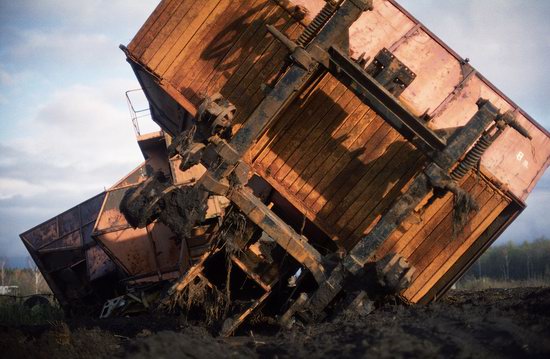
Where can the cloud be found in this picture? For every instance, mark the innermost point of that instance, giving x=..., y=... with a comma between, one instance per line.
x=78, y=13
x=5, y=77
x=62, y=46
x=82, y=125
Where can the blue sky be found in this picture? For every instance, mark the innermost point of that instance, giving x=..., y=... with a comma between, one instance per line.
x=66, y=131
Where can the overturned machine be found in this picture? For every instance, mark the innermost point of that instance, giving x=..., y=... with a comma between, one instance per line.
x=314, y=157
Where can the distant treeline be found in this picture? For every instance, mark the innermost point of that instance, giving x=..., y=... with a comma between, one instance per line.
x=28, y=281
x=514, y=262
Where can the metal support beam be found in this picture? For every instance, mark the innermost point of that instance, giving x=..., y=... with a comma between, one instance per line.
x=282, y=233
x=383, y=102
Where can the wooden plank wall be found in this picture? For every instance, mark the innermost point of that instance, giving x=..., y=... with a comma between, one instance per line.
x=204, y=47
x=335, y=160
x=427, y=239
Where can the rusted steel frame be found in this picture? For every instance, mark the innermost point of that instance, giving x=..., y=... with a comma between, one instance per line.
x=59, y=294
x=37, y=258
x=284, y=91
x=79, y=230
x=239, y=263
x=435, y=173
x=234, y=323
x=111, y=230
x=80, y=226
x=383, y=102
x=277, y=229
x=141, y=71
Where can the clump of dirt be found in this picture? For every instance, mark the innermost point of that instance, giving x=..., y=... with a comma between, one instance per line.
x=182, y=208
x=491, y=323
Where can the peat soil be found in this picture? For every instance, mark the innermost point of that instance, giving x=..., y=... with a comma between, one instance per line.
x=502, y=323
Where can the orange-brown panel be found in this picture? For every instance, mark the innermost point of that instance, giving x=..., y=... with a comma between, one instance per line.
x=168, y=59
x=229, y=49
x=204, y=47
x=218, y=20
x=247, y=94
x=163, y=32
x=139, y=251
x=450, y=255
x=251, y=45
x=201, y=48
x=437, y=72
x=382, y=27
x=374, y=30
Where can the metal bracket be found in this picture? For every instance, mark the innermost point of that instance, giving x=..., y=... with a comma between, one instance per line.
x=391, y=73
x=384, y=103
x=212, y=185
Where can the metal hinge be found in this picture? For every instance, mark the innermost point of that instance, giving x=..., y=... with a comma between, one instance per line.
x=391, y=73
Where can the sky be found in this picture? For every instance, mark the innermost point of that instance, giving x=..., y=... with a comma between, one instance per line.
x=66, y=133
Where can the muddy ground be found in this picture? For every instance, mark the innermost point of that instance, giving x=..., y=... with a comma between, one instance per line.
x=492, y=323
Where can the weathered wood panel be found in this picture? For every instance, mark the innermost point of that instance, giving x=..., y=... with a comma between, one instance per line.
x=333, y=157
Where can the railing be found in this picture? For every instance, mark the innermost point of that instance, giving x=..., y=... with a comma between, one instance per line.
x=137, y=114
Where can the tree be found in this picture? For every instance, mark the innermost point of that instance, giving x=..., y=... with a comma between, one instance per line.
x=38, y=279
x=3, y=262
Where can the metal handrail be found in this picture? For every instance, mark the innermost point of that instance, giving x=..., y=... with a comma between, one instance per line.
x=135, y=115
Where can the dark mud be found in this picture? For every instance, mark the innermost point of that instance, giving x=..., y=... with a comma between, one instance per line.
x=503, y=323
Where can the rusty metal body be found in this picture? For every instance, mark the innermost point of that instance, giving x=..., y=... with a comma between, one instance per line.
x=77, y=270
x=324, y=149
